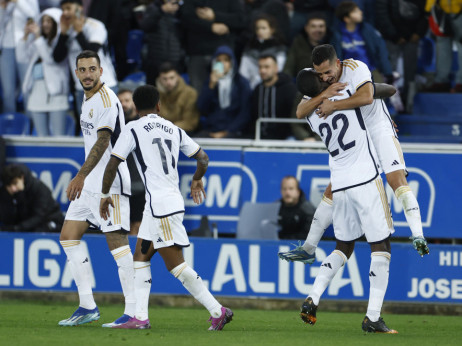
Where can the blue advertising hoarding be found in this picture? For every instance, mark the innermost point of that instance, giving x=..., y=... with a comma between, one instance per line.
x=238, y=268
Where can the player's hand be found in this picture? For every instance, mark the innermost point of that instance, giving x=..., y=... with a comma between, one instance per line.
x=104, y=207
x=197, y=191
x=74, y=189
x=395, y=126
x=325, y=109
x=334, y=90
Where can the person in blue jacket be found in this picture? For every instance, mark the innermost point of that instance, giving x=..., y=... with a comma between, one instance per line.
x=224, y=100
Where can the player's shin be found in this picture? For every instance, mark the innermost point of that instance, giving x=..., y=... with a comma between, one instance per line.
x=193, y=283
x=124, y=259
x=142, y=288
x=378, y=278
x=411, y=209
x=327, y=271
x=80, y=268
x=321, y=220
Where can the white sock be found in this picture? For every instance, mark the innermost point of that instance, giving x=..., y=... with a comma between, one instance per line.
x=327, y=271
x=193, y=283
x=79, y=265
x=124, y=259
x=411, y=209
x=321, y=220
x=142, y=288
x=378, y=278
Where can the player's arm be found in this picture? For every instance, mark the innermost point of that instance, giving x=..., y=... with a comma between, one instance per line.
x=197, y=186
x=108, y=178
x=383, y=91
x=307, y=107
x=363, y=96
x=76, y=185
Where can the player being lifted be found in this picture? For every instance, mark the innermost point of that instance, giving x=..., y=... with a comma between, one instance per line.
x=156, y=143
x=354, y=78
x=101, y=121
x=360, y=206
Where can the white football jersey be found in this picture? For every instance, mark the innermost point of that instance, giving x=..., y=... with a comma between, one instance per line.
x=157, y=143
x=102, y=112
x=353, y=159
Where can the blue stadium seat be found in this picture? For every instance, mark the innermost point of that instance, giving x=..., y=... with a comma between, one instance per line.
x=134, y=47
x=431, y=126
x=438, y=104
x=70, y=125
x=258, y=221
x=136, y=78
x=14, y=124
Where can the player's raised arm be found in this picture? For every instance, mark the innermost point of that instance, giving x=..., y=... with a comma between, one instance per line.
x=76, y=185
x=383, y=91
x=197, y=186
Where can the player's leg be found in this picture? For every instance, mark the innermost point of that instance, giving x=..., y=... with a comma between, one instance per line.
x=321, y=220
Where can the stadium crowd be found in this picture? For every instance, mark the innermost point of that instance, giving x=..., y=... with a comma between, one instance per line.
x=230, y=62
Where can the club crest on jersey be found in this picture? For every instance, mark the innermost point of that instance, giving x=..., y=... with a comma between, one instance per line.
x=90, y=115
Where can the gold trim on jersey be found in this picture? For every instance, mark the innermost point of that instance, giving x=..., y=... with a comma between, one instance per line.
x=386, y=207
x=118, y=156
x=105, y=97
x=195, y=152
x=166, y=230
x=351, y=62
x=105, y=127
x=327, y=200
x=400, y=151
x=362, y=83
x=116, y=210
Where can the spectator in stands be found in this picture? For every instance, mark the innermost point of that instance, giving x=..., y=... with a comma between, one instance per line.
x=225, y=98
x=178, y=99
x=46, y=83
x=26, y=204
x=162, y=36
x=265, y=41
x=358, y=40
x=44, y=4
x=137, y=199
x=273, y=98
x=296, y=212
x=78, y=33
x=444, y=46
x=14, y=14
x=314, y=34
x=209, y=24
x=367, y=6
x=301, y=9
x=2, y=157
x=402, y=24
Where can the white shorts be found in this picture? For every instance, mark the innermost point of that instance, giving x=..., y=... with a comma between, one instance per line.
x=86, y=208
x=362, y=210
x=164, y=232
x=389, y=152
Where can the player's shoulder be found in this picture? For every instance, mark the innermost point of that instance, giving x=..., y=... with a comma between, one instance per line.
x=354, y=66
x=106, y=97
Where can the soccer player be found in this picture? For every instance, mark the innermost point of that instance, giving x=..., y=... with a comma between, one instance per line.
x=156, y=143
x=101, y=121
x=360, y=206
x=354, y=78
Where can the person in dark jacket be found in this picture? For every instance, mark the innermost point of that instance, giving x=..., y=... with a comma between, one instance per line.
x=402, y=24
x=225, y=98
x=296, y=212
x=209, y=24
x=273, y=98
x=361, y=41
x=26, y=204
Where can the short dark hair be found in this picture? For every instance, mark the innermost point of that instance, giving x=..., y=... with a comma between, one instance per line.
x=87, y=54
x=78, y=2
x=123, y=91
x=344, y=9
x=322, y=53
x=268, y=56
x=11, y=172
x=316, y=15
x=167, y=67
x=145, y=97
x=308, y=82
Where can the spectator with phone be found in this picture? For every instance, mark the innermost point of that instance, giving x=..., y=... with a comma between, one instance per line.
x=13, y=18
x=46, y=83
x=225, y=98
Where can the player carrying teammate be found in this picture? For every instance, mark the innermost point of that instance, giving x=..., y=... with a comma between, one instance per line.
x=101, y=121
x=156, y=143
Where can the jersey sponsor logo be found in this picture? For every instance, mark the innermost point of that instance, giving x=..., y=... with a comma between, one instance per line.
x=394, y=163
x=159, y=240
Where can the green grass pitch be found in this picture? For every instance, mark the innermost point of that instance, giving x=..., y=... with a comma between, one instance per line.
x=35, y=323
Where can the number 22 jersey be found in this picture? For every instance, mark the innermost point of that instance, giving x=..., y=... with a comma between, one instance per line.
x=156, y=143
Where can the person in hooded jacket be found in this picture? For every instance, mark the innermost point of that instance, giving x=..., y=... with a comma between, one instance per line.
x=46, y=82
x=296, y=212
x=225, y=98
x=273, y=98
x=26, y=204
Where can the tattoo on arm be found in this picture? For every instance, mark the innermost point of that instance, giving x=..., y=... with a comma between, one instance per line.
x=202, y=164
x=96, y=152
x=109, y=174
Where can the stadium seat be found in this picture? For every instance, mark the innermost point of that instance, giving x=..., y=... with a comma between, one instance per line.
x=14, y=124
x=438, y=104
x=258, y=221
x=134, y=47
x=70, y=125
x=136, y=78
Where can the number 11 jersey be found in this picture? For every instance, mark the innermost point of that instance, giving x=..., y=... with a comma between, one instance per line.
x=156, y=144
